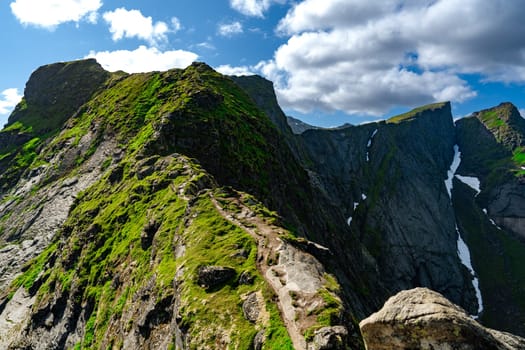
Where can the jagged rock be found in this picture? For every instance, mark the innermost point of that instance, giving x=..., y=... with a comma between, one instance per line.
x=330, y=338
x=423, y=319
x=250, y=308
x=246, y=278
x=212, y=276
x=258, y=341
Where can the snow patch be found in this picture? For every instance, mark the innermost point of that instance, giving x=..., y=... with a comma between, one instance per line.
x=464, y=256
x=462, y=248
x=349, y=220
x=452, y=171
x=471, y=181
x=363, y=196
x=369, y=143
x=370, y=139
x=490, y=219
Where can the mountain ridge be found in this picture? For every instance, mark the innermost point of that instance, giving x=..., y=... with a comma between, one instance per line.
x=151, y=170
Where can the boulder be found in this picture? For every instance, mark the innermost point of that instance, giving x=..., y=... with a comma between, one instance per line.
x=423, y=319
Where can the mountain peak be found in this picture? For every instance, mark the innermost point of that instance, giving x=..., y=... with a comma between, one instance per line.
x=55, y=91
x=419, y=111
x=506, y=123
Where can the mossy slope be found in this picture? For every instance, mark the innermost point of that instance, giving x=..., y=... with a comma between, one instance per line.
x=122, y=272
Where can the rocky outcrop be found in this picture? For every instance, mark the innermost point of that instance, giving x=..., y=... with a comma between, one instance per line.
x=424, y=319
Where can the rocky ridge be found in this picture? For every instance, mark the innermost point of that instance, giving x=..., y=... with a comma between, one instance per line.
x=304, y=234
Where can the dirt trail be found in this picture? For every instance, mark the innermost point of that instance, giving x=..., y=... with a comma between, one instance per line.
x=294, y=276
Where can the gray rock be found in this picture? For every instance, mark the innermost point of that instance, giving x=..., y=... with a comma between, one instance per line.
x=259, y=339
x=250, y=308
x=212, y=276
x=328, y=338
x=423, y=319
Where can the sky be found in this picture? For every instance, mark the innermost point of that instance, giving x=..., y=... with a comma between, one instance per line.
x=331, y=61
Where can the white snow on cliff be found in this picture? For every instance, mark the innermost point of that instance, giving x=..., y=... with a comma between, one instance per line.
x=462, y=248
x=369, y=143
x=471, y=181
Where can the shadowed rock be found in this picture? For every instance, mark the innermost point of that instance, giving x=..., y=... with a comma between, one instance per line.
x=212, y=276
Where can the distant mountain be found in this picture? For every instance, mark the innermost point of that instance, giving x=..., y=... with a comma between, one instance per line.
x=182, y=210
x=298, y=126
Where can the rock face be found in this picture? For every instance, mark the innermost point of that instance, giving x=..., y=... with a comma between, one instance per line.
x=381, y=175
x=492, y=222
x=424, y=319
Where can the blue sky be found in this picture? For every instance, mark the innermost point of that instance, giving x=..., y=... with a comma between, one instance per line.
x=332, y=61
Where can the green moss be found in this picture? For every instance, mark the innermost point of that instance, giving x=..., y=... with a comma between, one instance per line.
x=102, y=237
x=34, y=268
x=415, y=112
x=28, y=153
x=18, y=126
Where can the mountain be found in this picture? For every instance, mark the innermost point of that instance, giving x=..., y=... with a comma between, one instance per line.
x=178, y=209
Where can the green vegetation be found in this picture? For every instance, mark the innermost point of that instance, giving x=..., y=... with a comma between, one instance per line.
x=134, y=241
x=34, y=268
x=415, y=112
x=499, y=154
x=102, y=242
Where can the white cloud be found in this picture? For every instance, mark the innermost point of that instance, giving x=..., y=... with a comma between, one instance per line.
x=522, y=112
x=255, y=8
x=143, y=59
x=175, y=24
x=226, y=69
x=8, y=100
x=230, y=29
x=51, y=13
x=133, y=24
x=205, y=45
x=367, y=57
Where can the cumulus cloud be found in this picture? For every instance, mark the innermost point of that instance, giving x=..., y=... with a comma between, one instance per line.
x=51, y=13
x=255, y=8
x=367, y=57
x=143, y=59
x=9, y=98
x=226, y=69
x=125, y=23
x=230, y=29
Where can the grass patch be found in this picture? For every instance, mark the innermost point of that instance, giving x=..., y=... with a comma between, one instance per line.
x=415, y=112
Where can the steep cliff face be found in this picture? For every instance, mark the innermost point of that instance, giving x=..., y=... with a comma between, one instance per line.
x=492, y=221
x=388, y=178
